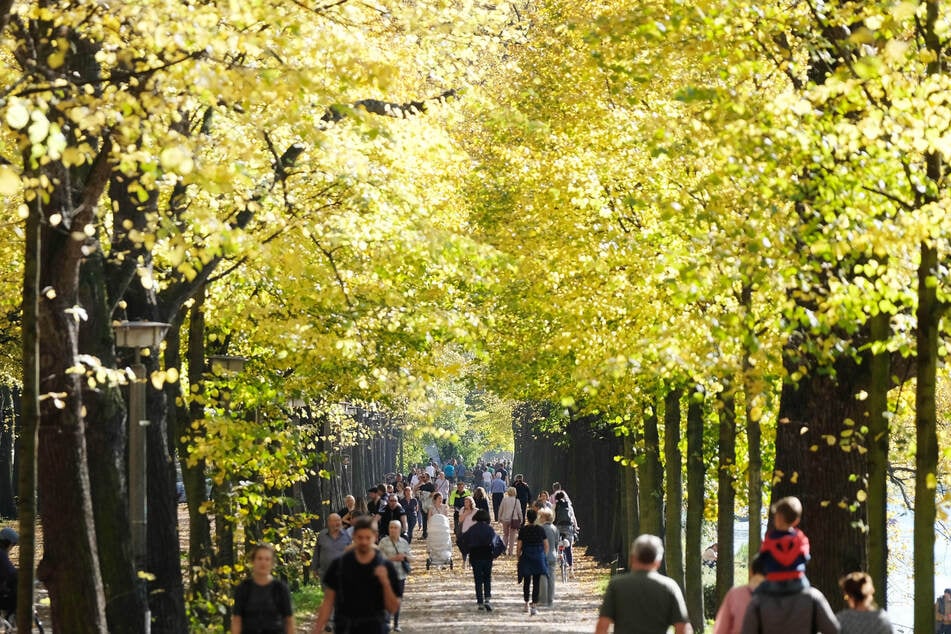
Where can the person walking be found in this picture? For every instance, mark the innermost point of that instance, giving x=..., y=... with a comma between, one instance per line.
x=424, y=493
x=643, y=601
x=497, y=488
x=262, y=604
x=480, y=499
x=730, y=615
x=360, y=586
x=532, y=559
x=795, y=608
x=466, y=520
x=545, y=518
x=942, y=613
x=411, y=506
x=8, y=572
x=392, y=511
x=483, y=545
x=862, y=615
x=522, y=492
x=332, y=542
x=510, y=514
x=397, y=550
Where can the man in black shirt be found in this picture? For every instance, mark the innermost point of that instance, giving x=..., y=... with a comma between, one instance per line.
x=522, y=492
x=359, y=585
x=392, y=511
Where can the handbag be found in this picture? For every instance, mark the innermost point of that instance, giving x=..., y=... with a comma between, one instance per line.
x=498, y=546
x=515, y=523
x=406, y=567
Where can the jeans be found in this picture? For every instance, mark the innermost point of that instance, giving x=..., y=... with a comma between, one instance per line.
x=482, y=575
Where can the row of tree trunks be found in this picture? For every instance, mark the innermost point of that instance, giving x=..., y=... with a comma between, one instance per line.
x=10, y=414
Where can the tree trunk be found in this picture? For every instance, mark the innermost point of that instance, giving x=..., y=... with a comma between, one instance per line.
x=673, y=472
x=754, y=474
x=200, y=553
x=877, y=441
x=726, y=494
x=630, y=527
x=651, y=479
x=70, y=565
x=106, y=442
x=696, y=476
x=926, y=439
x=818, y=460
x=27, y=440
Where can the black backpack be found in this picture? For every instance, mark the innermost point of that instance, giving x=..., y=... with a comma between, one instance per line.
x=562, y=514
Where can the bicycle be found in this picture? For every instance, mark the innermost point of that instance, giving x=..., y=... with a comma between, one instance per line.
x=563, y=559
x=8, y=623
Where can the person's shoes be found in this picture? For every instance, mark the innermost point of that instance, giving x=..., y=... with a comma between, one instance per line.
x=488, y=606
x=481, y=607
x=397, y=628
x=525, y=609
x=534, y=611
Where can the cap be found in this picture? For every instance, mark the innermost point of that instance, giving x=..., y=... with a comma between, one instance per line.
x=9, y=535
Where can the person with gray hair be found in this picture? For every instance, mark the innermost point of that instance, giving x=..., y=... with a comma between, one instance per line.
x=397, y=550
x=643, y=601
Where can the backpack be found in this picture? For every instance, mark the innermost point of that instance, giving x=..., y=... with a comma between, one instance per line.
x=562, y=514
x=244, y=593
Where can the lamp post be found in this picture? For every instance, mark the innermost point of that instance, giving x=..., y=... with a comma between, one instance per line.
x=138, y=335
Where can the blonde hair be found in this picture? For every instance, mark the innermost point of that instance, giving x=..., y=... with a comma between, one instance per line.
x=511, y=492
x=545, y=516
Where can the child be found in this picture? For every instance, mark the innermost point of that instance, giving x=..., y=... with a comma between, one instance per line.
x=785, y=548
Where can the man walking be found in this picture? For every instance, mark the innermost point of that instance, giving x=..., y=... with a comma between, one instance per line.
x=332, y=542
x=359, y=586
x=497, y=489
x=644, y=601
x=522, y=492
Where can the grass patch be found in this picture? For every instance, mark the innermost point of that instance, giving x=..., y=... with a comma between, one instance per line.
x=307, y=599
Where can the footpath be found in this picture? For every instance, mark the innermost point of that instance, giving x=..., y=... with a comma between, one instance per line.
x=442, y=597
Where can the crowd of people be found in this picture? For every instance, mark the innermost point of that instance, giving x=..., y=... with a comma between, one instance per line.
x=362, y=556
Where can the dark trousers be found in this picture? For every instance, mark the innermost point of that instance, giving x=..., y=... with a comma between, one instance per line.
x=482, y=575
x=410, y=526
x=533, y=580
x=496, y=503
x=425, y=516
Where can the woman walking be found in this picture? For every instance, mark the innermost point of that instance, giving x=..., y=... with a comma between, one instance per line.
x=262, y=604
x=411, y=506
x=862, y=616
x=480, y=499
x=466, y=520
x=510, y=514
x=483, y=546
x=545, y=518
x=532, y=558
x=396, y=549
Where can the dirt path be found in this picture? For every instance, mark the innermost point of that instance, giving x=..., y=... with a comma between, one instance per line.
x=440, y=597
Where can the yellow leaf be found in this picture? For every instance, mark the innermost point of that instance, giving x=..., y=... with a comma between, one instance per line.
x=9, y=180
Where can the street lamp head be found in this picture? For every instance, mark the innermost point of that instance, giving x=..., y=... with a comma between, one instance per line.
x=139, y=334
x=227, y=363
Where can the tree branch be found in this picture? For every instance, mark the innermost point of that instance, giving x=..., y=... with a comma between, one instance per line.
x=384, y=108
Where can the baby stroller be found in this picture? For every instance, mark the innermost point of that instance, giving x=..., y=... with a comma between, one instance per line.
x=439, y=542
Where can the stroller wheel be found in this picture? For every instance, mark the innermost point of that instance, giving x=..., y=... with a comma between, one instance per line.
x=428, y=563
